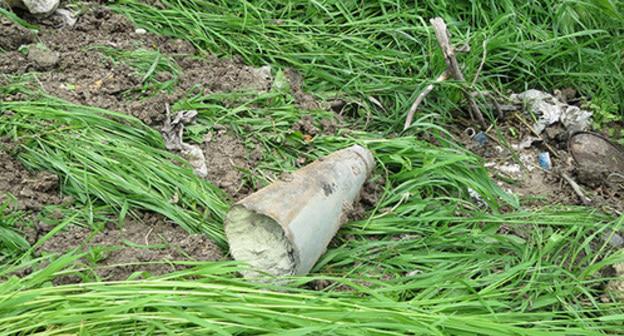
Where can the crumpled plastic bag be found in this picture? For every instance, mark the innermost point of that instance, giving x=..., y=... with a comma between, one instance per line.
x=551, y=110
x=172, y=133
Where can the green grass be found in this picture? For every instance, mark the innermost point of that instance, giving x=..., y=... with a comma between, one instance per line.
x=158, y=72
x=387, y=50
x=426, y=260
x=216, y=302
x=113, y=158
x=11, y=241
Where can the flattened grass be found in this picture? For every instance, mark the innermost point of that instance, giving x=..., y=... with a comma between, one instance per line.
x=112, y=158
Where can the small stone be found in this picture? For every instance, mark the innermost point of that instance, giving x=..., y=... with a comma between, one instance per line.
x=42, y=57
x=140, y=31
x=39, y=8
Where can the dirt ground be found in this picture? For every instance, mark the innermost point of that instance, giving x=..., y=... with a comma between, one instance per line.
x=146, y=244
x=511, y=151
x=150, y=238
x=68, y=67
x=26, y=190
x=72, y=69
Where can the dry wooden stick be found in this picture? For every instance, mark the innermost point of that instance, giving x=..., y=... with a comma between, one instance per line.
x=442, y=35
x=577, y=189
x=420, y=98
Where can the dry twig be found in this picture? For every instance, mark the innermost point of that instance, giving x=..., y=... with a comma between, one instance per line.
x=577, y=189
x=420, y=98
x=442, y=35
x=453, y=70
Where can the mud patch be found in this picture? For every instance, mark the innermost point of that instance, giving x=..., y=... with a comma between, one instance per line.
x=83, y=75
x=31, y=191
x=13, y=36
x=144, y=245
x=226, y=160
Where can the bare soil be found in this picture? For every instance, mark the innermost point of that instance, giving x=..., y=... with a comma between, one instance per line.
x=147, y=239
x=147, y=244
x=515, y=167
x=83, y=75
x=226, y=159
x=27, y=190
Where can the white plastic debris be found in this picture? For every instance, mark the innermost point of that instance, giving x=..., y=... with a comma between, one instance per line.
x=476, y=198
x=140, y=31
x=551, y=110
x=172, y=133
x=524, y=144
x=574, y=119
x=512, y=169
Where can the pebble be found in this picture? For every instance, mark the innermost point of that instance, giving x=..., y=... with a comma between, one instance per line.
x=42, y=57
x=140, y=31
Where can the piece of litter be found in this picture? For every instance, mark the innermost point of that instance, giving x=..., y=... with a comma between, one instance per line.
x=575, y=120
x=512, y=169
x=172, y=133
x=68, y=17
x=550, y=110
x=528, y=161
x=526, y=143
x=480, y=138
x=285, y=227
x=39, y=8
x=476, y=198
x=543, y=159
x=140, y=31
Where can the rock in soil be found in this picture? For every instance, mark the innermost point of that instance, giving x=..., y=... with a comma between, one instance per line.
x=141, y=245
x=42, y=57
x=597, y=159
x=39, y=8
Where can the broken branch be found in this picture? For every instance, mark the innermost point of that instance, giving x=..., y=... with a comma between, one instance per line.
x=577, y=189
x=420, y=98
x=442, y=35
